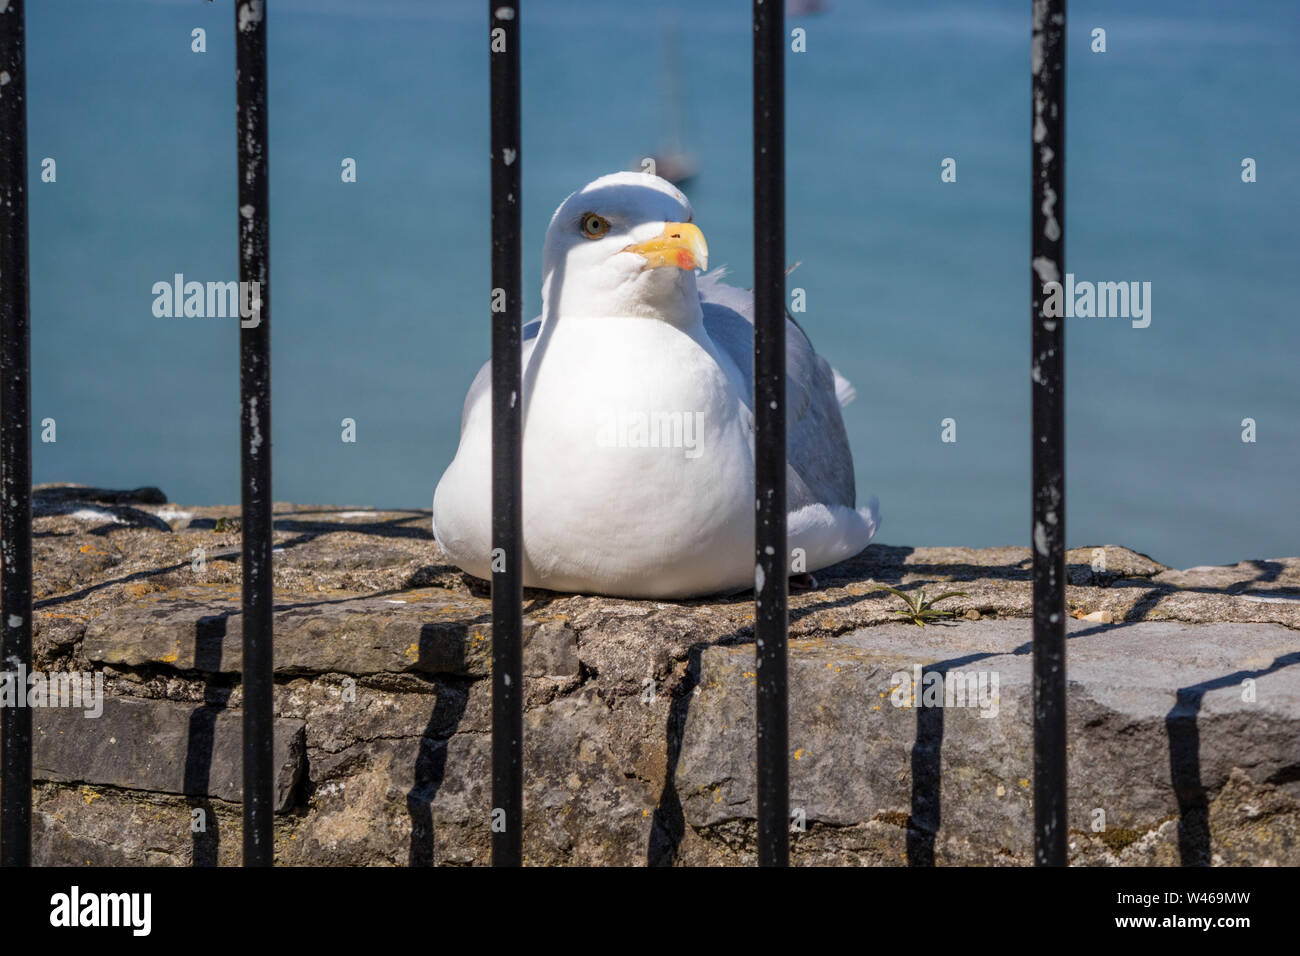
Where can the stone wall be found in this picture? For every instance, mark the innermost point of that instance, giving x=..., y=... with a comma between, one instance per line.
x=1184, y=704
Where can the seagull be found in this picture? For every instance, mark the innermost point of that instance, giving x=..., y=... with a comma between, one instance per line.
x=638, y=425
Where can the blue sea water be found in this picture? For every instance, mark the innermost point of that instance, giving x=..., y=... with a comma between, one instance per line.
x=917, y=290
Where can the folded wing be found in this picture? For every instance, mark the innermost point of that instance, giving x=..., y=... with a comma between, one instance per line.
x=817, y=447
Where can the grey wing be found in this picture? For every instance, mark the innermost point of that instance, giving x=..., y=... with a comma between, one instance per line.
x=817, y=447
x=480, y=390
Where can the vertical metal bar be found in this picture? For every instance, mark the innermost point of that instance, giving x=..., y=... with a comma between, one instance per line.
x=1048, y=388
x=255, y=429
x=771, y=552
x=15, y=445
x=507, y=431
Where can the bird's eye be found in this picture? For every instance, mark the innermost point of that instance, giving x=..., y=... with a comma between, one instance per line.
x=593, y=226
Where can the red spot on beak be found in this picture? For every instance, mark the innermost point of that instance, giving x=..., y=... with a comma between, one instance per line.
x=685, y=260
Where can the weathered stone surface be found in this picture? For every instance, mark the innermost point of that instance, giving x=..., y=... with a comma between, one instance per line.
x=426, y=631
x=99, y=826
x=200, y=628
x=638, y=713
x=323, y=554
x=1158, y=724
x=159, y=746
x=1279, y=579
x=58, y=491
x=101, y=510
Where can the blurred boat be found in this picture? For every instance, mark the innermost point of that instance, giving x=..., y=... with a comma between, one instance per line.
x=672, y=161
x=677, y=168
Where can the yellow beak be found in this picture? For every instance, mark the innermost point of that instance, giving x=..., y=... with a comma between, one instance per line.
x=681, y=244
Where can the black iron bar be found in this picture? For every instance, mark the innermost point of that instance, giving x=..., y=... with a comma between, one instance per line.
x=1047, y=134
x=15, y=446
x=255, y=430
x=507, y=431
x=770, y=546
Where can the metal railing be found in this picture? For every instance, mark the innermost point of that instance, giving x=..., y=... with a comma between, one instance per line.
x=1047, y=377
x=507, y=443
x=771, y=551
x=15, y=444
x=256, y=523
x=1047, y=133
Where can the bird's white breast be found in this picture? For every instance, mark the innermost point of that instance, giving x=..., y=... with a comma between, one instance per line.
x=637, y=463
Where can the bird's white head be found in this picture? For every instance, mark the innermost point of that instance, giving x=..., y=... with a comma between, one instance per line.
x=624, y=245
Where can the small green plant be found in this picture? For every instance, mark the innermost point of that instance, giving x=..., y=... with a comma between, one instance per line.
x=918, y=609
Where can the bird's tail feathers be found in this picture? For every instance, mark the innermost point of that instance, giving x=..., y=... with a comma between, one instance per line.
x=844, y=390
x=871, y=514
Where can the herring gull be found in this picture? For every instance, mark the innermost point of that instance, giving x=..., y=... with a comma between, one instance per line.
x=638, y=434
